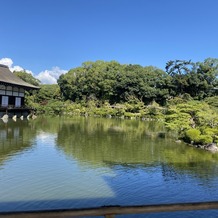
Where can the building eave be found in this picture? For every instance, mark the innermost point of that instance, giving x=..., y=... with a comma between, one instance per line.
x=8, y=78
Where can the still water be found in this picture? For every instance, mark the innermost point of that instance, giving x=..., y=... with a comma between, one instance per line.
x=53, y=163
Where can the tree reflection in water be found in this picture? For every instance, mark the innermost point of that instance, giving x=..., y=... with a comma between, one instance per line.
x=106, y=142
x=129, y=161
x=15, y=137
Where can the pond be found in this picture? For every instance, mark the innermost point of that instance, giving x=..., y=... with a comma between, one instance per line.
x=59, y=163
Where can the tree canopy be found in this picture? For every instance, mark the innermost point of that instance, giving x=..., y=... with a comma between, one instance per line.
x=199, y=79
x=117, y=82
x=27, y=77
x=114, y=82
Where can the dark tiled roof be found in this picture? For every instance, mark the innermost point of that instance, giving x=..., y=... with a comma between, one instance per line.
x=6, y=76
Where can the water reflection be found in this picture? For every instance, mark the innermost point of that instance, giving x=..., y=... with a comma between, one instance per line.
x=101, y=142
x=64, y=163
x=130, y=144
x=106, y=142
x=15, y=137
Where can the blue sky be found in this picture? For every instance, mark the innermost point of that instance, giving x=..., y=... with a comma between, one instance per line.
x=49, y=37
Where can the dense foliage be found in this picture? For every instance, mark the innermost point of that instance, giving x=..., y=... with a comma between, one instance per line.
x=46, y=100
x=117, y=83
x=27, y=77
x=199, y=80
x=114, y=82
x=195, y=121
x=184, y=97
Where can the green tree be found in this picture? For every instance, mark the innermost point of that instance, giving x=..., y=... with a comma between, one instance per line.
x=194, y=121
x=27, y=77
x=199, y=79
x=92, y=79
x=178, y=70
x=48, y=92
x=113, y=82
x=208, y=73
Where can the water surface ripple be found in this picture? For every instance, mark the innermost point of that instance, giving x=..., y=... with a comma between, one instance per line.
x=58, y=163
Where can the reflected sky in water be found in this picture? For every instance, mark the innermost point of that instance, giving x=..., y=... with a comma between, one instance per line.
x=83, y=162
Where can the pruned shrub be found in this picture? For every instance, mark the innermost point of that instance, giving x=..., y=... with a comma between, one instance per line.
x=205, y=139
x=192, y=135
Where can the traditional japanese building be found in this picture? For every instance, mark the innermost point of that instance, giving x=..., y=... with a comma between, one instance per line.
x=12, y=93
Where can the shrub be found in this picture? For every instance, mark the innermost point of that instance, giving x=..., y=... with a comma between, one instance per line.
x=205, y=139
x=213, y=101
x=192, y=135
x=129, y=115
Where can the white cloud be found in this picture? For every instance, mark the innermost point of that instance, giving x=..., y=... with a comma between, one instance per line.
x=50, y=76
x=8, y=62
x=29, y=71
x=46, y=77
x=16, y=68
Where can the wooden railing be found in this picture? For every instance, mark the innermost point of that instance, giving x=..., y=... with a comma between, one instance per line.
x=111, y=211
